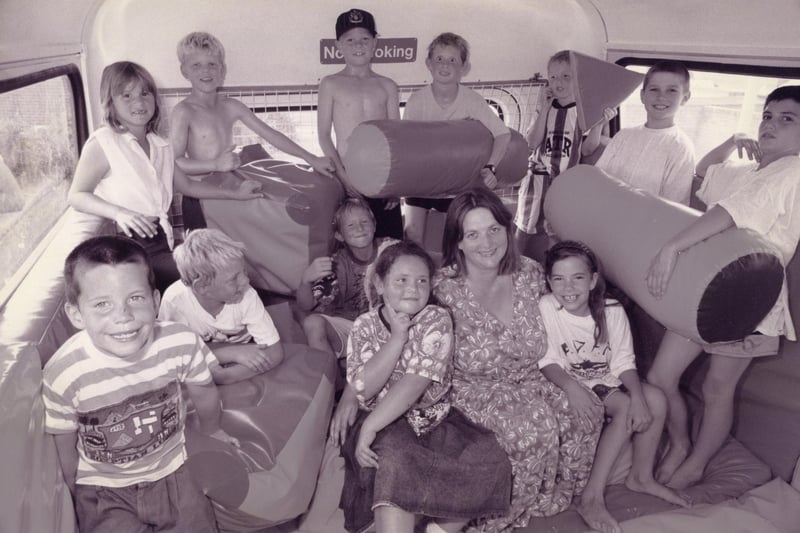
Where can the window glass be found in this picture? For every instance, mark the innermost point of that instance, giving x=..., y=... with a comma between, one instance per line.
x=721, y=104
x=38, y=152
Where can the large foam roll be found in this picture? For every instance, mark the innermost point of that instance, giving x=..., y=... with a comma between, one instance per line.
x=281, y=420
x=720, y=289
x=393, y=158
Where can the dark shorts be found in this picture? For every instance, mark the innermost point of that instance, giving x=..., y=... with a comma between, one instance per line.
x=438, y=204
x=604, y=391
x=172, y=503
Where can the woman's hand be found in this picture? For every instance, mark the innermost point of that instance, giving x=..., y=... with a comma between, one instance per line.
x=639, y=416
x=343, y=418
x=130, y=222
x=365, y=456
x=660, y=270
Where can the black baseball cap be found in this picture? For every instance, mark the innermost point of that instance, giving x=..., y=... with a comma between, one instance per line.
x=355, y=18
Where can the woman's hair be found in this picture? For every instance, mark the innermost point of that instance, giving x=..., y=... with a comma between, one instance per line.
x=388, y=253
x=349, y=204
x=200, y=41
x=597, y=296
x=450, y=39
x=204, y=253
x=115, y=79
x=454, y=229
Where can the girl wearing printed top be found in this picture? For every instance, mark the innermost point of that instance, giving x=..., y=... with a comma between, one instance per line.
x=409, y=452
x=126, y=170
x=590, y=357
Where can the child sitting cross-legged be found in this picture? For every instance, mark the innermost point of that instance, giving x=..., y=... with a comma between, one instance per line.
x=214, y=298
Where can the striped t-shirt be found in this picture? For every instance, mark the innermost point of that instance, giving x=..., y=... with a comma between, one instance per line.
x=128, y=412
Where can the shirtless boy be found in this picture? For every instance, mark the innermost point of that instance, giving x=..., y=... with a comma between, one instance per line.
x=201, y=126
x=354, y=95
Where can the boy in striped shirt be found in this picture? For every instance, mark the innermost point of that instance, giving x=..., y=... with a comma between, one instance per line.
x=112, y=396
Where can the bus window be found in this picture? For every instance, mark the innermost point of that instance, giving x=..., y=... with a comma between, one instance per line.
x=38, y=153
x=721, y=104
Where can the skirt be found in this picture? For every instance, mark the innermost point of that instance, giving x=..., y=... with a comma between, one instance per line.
x=457, y=471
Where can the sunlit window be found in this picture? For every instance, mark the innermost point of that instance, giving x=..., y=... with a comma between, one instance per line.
x=38, y=152
x=721, y=104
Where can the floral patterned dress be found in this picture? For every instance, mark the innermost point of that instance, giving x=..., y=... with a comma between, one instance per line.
x=497, y=383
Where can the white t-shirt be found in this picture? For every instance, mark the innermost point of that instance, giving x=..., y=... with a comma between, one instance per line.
x=571, y=345
x=237, y=323
x=659, y=161
x=764, y=201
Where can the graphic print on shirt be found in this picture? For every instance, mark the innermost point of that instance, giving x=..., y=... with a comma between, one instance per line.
x=587, y=363
x=133, y=428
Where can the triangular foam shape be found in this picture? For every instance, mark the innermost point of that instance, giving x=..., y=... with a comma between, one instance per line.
x=599, y=84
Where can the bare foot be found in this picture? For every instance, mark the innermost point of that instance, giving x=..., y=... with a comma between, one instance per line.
x=656, y=489
x=670, y=463
x=685, y=476
x=596, y=516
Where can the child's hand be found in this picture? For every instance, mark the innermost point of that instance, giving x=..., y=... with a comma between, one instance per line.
x=248, y=190
x=608, y=114
x=365, y=456
x=639, y=416
x=745, y=144
x=399, y=322
x=583, y=402
x=660, y=271
x=391, y=203
x=489, y=178
x=323, y=165
x=130, y=222
x=318, y=269
x=343, y=418
x=222, y=435
x=227, y=160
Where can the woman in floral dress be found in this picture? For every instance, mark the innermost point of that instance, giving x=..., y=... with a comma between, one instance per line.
x=493, y=294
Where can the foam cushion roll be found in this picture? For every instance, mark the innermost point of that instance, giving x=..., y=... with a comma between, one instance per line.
x=429, y=159
x=720, y=289
x=284, y=231
x=281, y=420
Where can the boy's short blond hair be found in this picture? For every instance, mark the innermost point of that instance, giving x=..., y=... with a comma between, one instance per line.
x=450, y=39
x=562, y=56
x=204, y=253
x=200, y=40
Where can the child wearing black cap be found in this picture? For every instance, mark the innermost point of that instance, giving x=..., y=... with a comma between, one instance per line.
x=354, y=95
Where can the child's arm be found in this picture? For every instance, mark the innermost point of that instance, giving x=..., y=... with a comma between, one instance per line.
x=738, y=141
x=208, y=407
x=379, y=368
x=91, y=168
x=582, y=400
x=639, y=416
x=592, y=140
x=344, y=416
x=323, y=165
x=392, y=100
x=537, y=130
x=713, y=221
x=499, y=147
x=316, y=270
x=325, y=126
x=399, y=399
x=67, y=450
x=247, y=190
x=179, y=139
x=243, y=361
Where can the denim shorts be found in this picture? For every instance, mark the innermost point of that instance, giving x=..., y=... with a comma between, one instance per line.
x=172, y=503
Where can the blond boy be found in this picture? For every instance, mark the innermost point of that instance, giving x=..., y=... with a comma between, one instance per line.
x=214, y=298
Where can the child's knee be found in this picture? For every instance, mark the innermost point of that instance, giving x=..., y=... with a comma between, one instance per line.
x=314, y=325
x=717, y=389
x=656, y=400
